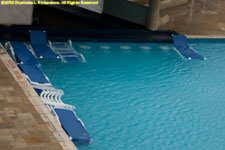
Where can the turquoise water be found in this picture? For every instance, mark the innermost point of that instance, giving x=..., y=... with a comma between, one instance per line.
x=145, y=96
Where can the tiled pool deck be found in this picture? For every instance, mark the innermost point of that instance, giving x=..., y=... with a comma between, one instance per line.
x=25, y=122
x=197, y=17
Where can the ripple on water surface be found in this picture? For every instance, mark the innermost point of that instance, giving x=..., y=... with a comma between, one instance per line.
x=146, y=97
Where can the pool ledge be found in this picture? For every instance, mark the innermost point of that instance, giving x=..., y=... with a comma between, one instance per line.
x=206, y=36
x=53, y=125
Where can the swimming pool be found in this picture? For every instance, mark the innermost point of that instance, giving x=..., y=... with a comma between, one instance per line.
x=145, y=96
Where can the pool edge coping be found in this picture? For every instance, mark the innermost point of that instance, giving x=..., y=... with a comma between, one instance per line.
x=206, y=36
x=58, y=132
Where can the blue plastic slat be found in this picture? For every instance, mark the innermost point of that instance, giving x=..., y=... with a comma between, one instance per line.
x=34, y=73
x=180, y=41
x=39, y=44
x=38, y=37
x=22, y=53
x=44, y=51
x=181, y=44
x=190, y=53
x=72, y=125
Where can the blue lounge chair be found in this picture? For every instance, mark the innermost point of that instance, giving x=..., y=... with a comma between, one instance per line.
x=181, y=44
x=39, y=44
x=34, y=75
x=72, y=125
x=22, y=54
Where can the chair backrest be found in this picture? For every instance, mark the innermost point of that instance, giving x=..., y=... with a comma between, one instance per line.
x=23, y=54
x=180, y=41
x=38, y=37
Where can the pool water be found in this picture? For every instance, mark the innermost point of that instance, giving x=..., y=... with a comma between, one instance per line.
x=142, y=96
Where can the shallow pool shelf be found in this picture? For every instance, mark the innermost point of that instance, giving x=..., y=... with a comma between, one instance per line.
x=73, y=126
x=51, y=97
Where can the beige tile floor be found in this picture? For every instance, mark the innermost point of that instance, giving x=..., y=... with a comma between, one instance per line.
x=197, y=17
x=21, y=127
x=25, y=122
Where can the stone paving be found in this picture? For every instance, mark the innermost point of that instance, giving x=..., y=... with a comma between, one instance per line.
x=197, y=17
x=25, y=122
